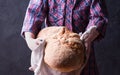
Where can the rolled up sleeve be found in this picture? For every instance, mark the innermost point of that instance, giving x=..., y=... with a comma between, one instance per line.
x=34, y=17
x=98, y=17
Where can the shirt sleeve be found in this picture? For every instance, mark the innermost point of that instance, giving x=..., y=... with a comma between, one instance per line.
x=35, y=15
x=98, y=17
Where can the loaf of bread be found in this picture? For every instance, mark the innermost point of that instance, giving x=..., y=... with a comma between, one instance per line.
x=64, y=50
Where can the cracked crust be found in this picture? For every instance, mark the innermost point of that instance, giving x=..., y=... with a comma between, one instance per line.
x=64, y=50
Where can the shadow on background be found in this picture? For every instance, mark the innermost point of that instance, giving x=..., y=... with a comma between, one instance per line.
x=15, y=55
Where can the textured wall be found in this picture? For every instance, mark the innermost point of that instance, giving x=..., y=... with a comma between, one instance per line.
x=108, y=50
x=15, y=56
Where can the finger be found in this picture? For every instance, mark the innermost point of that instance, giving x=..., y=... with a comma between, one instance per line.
x=31, y=69
x=84, y=36
x=80, y=34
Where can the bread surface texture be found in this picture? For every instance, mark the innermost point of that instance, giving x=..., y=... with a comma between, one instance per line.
x=64, y=50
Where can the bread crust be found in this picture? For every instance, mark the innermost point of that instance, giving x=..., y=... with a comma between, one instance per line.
x=64, y=50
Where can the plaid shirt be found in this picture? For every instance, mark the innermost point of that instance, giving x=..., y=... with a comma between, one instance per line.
x=76, y=15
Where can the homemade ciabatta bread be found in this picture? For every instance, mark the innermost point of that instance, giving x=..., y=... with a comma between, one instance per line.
x=64, y=50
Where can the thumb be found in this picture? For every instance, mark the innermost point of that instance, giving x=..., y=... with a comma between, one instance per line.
x=84, y=36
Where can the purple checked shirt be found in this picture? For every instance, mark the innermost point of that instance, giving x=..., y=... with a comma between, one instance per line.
x=76, y=15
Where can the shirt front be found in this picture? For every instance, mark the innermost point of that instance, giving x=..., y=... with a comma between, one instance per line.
x=76, y=15
x=70, y=13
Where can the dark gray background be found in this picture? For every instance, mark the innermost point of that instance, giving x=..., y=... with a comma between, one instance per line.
x=15, y=55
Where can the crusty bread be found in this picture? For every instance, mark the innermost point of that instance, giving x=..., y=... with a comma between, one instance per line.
x=64, y=50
